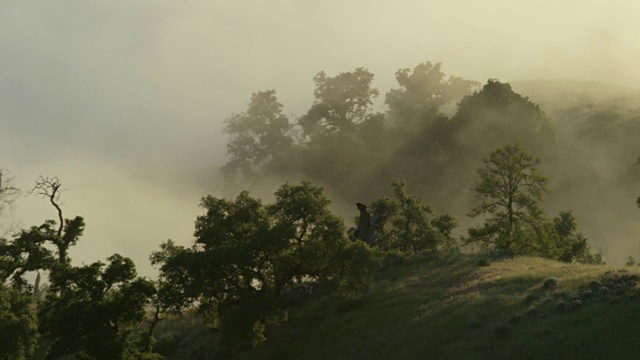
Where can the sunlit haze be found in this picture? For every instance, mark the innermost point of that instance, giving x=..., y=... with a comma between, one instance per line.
x=124, y=101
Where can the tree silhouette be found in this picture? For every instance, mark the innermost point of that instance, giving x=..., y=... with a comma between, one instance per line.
x=259, y=137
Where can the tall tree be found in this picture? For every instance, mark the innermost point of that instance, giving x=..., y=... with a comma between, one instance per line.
x=341, y=102
x=259, y=137
x=497, y=115
x=510, y=187
x=423, y=91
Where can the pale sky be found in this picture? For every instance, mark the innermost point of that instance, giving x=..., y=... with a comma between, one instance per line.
x=124, y=100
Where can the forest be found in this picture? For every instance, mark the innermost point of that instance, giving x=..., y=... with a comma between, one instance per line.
x=450, y=169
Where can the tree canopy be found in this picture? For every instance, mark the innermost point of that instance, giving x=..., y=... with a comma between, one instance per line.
x=509, y=187
x=258, y=137
x=246, y=255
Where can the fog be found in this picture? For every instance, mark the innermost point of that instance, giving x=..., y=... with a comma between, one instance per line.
x=124, y=100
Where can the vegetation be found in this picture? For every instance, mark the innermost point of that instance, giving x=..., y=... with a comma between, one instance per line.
x=404, y=223
x=18, y=325
x=400, y=283
x=452, y=308
x=89, y=310
x=247, y=258
x=510, y=187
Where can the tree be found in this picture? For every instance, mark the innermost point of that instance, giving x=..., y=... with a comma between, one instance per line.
x=94, y=314
x=259, y=137
x=496, y=115
x=423, y=91
x=247, y=255
x=25, y=252
x=89, y=310
x=571, y=246
x=340, y=132
x=64, y=233
x=510, y=187
x=341, y=103
x=18, y=325
x=406, y=223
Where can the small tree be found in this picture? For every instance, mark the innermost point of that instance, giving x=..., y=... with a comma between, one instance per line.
x=406, y=223
x=510, y=187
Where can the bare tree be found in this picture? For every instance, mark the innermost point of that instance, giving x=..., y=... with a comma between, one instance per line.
x=50, y=189
x=67, y=231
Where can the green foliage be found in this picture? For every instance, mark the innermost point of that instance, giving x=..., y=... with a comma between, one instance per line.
x=339, y=141
x=26, y=252
x=258, y=138
x=496, y=115
x=354, y=267
x=246, y=254
x=18, y=325
x=341, y=102
x=510, y=188
x=405, y=223
x=571, y=246
x=90, y=309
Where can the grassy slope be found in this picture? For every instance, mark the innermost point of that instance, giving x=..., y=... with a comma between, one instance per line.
x=455, y=309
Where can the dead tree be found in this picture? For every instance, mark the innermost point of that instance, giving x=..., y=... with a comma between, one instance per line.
x=365, y=230
x=68, y=231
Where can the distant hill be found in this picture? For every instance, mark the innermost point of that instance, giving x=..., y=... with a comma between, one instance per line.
x=596, y=174
x=455, y=308
x=565, y=100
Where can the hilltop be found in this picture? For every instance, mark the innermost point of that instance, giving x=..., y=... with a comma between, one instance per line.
x=455, y=308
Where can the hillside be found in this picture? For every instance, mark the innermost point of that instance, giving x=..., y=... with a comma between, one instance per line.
x=564, y=98
x=454, y=308
x=595, y=172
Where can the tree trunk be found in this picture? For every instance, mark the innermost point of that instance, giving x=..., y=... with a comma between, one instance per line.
x=365, y=231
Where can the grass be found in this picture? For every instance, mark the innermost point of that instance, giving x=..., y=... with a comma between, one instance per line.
x=453, y=308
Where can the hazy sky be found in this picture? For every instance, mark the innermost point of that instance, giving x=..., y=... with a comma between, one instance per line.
x=124, y=100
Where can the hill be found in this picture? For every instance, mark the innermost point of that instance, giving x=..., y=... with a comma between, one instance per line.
x=454, y=308
x=595, y=171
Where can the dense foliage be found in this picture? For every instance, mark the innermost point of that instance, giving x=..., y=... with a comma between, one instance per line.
x=353, y=151
x=89, y=311
x=510, y=188
x=247, y=256
x=405, y=223
x=18, y=325
x=252, y=262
